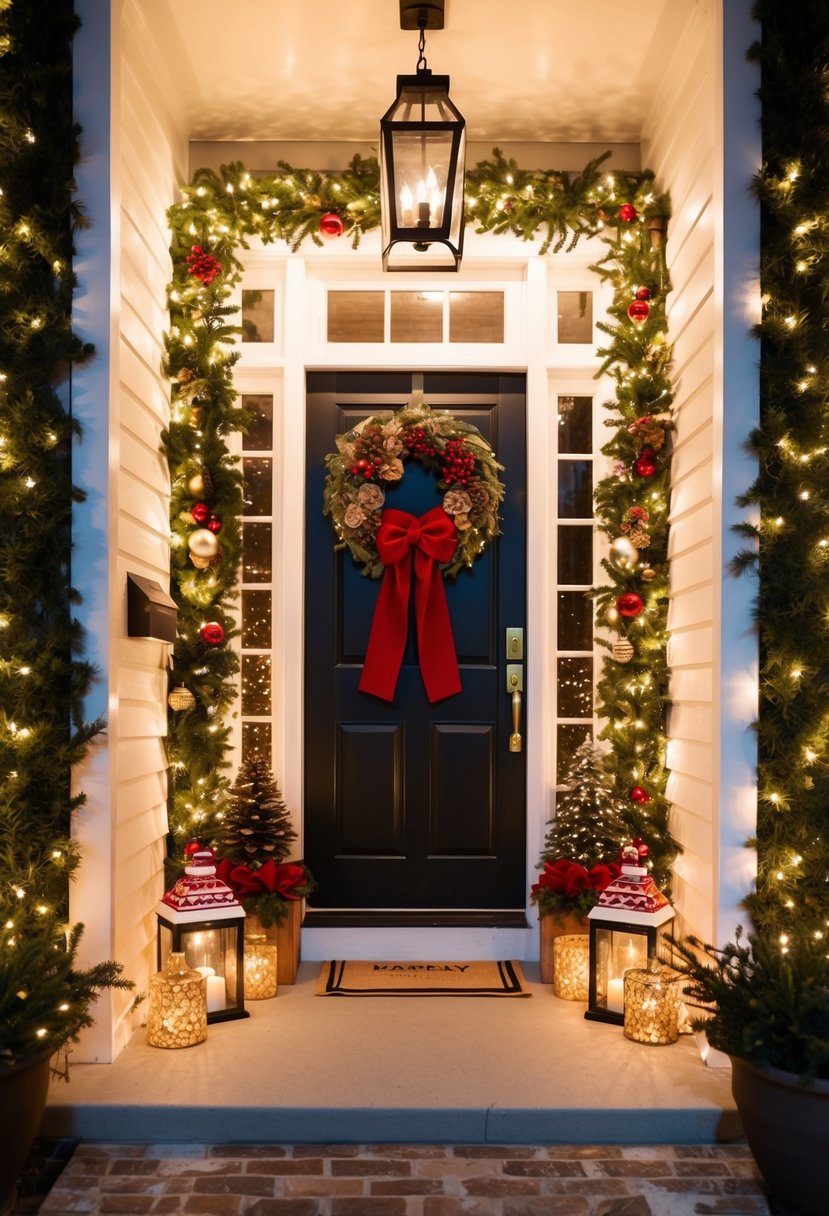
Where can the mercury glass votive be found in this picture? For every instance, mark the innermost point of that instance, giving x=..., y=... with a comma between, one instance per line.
x=260, y=967
x=177, y=1014
x=571, y=969
x=652, y=1000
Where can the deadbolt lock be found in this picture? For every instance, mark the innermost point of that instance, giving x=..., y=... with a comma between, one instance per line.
x=515, y=644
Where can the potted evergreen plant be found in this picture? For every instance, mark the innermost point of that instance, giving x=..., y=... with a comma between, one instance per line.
x=255, y=840
x=767, y=1006
x=587, y=832
x=45, y=1002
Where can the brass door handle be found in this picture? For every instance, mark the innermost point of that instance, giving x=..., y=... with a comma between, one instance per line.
x=515, y=686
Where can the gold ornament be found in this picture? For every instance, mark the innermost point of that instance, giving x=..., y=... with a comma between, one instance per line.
x=612, y=615
x=203, y=543
x=181, y=698
x=648, y=574
x=622, y=651
x=623, y=555
x=201, y=563
x=196, y=485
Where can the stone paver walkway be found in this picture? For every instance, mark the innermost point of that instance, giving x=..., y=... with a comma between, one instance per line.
x=409, y=1180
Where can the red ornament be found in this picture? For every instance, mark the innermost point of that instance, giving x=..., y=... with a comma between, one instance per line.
x=639, y=311
x=643, y=293
x=640, y=795
x=191, y=849
x=629, y=604
x=627, y=213
x=212, y=633
x=645, y=465
x=331, y=226
x=214, y=524
x=203, y=265
x=201, y=513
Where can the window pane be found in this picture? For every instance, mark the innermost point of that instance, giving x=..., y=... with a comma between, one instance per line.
x=570, y=738
x=355, y=316
x=575, y=489
x=575, y=424
x=476, y=316
x=258, y=486
x=575, y=556
x=575, y=316
x=257, y=316
x=575, y=621
x=417, y=316
x=256, y=684
x=259, y=437
x=256, y=740
x=256, y=620
x=256, y=553
x=575, y=688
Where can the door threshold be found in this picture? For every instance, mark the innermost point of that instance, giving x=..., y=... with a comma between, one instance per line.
x=404, y=918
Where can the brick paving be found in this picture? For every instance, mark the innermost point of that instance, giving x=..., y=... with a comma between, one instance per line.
x=408, y=1180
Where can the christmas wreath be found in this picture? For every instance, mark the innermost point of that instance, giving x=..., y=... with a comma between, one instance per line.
x=413, y=551
x=373, y=456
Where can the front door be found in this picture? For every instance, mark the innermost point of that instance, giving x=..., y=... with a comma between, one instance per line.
x=412, y=805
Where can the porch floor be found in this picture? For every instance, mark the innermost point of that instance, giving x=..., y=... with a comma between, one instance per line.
x=305, y=1069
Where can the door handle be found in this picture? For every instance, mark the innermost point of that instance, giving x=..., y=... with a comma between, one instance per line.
x=515, y=686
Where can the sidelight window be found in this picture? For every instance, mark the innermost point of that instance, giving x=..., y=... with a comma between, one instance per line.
x=575, y=534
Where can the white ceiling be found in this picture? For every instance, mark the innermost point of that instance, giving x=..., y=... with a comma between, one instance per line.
x=530, y=70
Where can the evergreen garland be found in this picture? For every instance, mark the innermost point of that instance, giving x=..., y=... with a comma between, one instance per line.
x=44, y=1000
x=219, y=213
x=790, y=545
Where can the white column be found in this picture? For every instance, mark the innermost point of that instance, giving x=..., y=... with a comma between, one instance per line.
x=95, y=317
x=737, y=294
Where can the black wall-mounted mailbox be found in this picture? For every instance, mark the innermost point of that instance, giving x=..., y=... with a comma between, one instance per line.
x=151, y=612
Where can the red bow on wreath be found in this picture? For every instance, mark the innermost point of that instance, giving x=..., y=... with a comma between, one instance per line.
x=570, y=879
x=404, y=541
x=271, y=878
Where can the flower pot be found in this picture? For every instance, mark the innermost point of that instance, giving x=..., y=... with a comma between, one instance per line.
x=786, y=1125
x=22, y=1100
x=288, y=943
x=550, y=927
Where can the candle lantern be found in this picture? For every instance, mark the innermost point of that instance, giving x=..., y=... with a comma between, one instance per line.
x=624, y=928
x=201, y=918
x=570, y=966
x=652, y=1000
x=422, y=152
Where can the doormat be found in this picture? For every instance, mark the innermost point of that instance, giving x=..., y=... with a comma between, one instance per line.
x=366, y=978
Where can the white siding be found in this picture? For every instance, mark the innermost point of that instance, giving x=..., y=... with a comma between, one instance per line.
x=136, y=131
x=712, y=649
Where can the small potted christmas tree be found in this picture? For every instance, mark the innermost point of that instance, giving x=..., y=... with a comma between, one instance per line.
x=255, y=839
x=581, y=851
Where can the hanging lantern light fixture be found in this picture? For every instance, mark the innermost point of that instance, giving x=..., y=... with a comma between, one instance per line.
x=422, y=160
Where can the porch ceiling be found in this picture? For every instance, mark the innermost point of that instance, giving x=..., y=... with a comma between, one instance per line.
x=540, y=71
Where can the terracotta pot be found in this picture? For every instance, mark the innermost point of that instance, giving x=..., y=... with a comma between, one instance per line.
x=22, y=1101
x=549, y=928
x=787, y=1128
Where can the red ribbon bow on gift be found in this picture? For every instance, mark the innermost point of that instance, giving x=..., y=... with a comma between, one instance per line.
x=270, y=878
x=569, y=879
x=404, y=541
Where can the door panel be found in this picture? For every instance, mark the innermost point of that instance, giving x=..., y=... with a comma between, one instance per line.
x=412, y=805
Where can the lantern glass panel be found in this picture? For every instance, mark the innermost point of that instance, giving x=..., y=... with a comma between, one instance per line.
x=615, y=952
x=422, y=153
x=213, y=948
